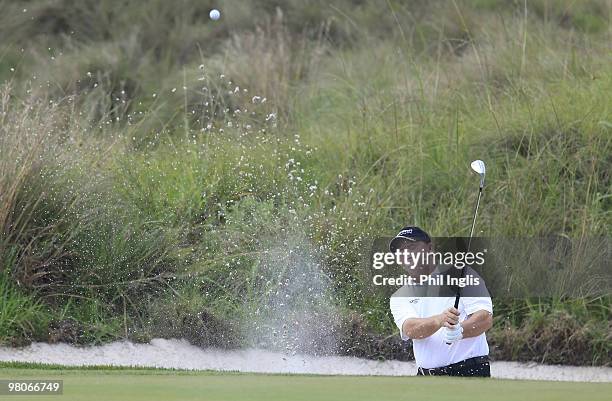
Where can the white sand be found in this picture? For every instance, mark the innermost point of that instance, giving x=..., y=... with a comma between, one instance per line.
x=182, y=355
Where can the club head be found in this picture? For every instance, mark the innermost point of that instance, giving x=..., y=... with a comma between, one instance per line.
x=479, y=167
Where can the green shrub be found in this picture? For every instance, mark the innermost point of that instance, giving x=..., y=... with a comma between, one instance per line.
x=146, y=188
x=22, y=316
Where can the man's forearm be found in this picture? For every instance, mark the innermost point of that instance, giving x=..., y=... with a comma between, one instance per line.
x=477, y=323
x=417, y=328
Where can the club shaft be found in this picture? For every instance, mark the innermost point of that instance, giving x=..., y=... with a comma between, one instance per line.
x=458, y=296
x=474, y=219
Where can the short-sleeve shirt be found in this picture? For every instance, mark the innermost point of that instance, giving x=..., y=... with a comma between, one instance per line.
x=433, y=352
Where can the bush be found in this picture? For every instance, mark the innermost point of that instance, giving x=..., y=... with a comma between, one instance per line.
x=164, y=175
x=22, y=316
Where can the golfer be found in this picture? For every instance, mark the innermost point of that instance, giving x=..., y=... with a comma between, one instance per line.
x=446, y=341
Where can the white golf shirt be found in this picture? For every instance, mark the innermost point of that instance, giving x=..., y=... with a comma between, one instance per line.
x=433, y=352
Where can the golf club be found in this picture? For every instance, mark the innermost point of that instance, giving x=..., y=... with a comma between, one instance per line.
x=478, y=166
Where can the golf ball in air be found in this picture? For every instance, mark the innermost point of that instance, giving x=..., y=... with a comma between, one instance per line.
x=215, y=14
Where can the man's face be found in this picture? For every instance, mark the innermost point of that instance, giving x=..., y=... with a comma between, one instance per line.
x=413, y=257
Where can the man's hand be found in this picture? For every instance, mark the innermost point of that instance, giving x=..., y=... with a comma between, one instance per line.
x=454, y=334
x=449, y=318
x=419, y=328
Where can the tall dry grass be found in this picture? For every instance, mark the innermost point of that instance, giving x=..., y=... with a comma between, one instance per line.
x=140, y=188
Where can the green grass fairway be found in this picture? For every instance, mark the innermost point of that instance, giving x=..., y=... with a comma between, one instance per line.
x=148, y=385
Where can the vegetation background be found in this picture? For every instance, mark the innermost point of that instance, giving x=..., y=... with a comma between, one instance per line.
x=165, y=175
